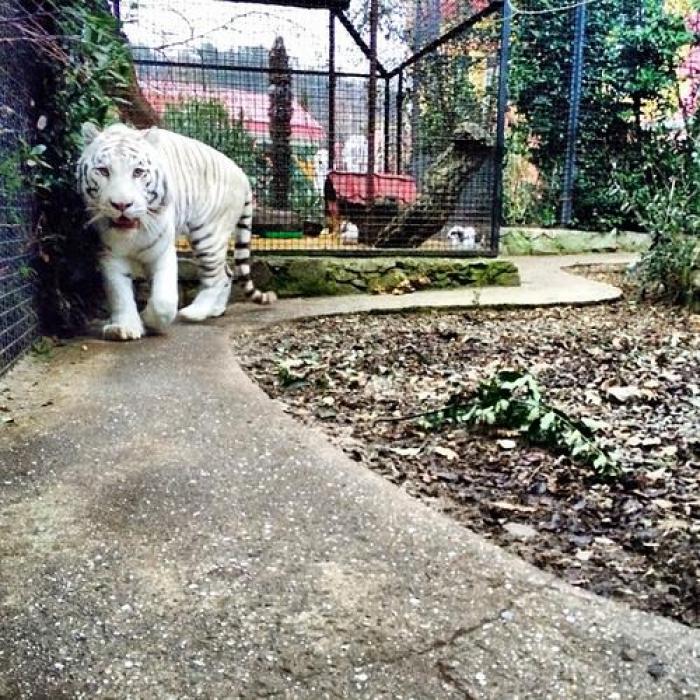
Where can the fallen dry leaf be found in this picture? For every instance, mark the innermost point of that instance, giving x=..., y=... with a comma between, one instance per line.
x=445, y=452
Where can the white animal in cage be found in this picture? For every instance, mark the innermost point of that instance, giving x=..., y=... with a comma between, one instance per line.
x=462, y=237
x=349, y=233
x=354, y=153
x=320, y=165
x=143, y=188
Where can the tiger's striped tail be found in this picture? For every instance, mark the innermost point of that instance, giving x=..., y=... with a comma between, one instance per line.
x=241, y=256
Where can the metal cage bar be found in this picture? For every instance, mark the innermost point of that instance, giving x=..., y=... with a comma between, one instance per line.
x=363, y=180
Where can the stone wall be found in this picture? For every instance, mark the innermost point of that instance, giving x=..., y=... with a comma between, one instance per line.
x=539, y=241
x=319, y=276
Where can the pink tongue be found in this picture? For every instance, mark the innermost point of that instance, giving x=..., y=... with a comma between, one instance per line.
x=124, y=222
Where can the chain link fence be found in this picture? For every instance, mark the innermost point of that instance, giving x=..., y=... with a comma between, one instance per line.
x=341, y=162
x=591, y=86
x=18, y=314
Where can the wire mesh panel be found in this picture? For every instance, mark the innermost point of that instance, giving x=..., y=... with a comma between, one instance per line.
x=592, y=88
x=447, y=114
x=340, y=160
x=18, y=317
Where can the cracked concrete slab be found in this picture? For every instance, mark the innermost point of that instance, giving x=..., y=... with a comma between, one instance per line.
x=167, y=531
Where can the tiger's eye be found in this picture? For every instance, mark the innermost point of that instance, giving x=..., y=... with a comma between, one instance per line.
x=103, y=171
x=139, y=172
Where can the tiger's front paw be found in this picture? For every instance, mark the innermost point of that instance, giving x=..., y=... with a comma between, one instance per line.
x=158, y=316
x=123, y=330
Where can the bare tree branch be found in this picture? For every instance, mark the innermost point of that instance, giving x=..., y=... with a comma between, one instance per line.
x=225, y=25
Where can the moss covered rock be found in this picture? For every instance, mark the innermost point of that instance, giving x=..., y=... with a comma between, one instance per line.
x=538, y=241
x=321, y=276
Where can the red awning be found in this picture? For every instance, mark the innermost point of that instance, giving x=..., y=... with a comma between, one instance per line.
x=352, y=187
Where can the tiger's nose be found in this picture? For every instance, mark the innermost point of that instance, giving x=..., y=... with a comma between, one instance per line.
x=121, y=206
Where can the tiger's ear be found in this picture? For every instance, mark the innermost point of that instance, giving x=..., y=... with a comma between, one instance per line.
x=90, y=132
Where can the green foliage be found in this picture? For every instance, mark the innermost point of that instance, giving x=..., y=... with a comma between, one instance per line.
x=666, y=271
x=526, y=199
x=540, y=65
x=662, y=197
x=20, y=170
x=11, y=181
x=305, y=200
x=670, y=211
x=447, y=97
x=630, y=61
x=513, y=400
x=77, y=90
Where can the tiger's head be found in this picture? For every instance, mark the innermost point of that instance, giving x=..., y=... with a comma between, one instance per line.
x=120, y=176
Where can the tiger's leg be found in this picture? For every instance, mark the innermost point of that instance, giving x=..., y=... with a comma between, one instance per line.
x=125, y=322
x=161, y=308
x=210, y=246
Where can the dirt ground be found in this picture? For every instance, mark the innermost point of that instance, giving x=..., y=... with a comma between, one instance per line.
x=632, y=367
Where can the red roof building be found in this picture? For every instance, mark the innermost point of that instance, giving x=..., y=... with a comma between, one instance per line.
x=252, y=107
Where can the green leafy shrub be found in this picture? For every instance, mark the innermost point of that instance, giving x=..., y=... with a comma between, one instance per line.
x=666, y=271
x=662, y=197
x=513, y=400
x=670, y=211
x=528, y=195
x=631, y=57
x=94, y=64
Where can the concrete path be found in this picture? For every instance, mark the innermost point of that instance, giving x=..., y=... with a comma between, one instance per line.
x=167, y=531
x=545, y=281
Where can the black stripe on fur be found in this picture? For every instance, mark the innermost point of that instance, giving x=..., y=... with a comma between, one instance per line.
x=205, y=237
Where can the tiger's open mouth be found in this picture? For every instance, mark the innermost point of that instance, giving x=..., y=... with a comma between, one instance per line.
x=124, y=222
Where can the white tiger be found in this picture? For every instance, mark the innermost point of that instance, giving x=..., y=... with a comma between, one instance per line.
x=143, y=188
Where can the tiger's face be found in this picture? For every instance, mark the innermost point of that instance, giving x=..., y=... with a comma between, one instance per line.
x=120, y=177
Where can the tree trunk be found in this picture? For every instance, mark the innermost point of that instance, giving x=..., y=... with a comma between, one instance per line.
x=280, y=114
x=133, y=106
x=443, y=182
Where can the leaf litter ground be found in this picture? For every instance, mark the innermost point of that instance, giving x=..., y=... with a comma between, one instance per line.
x=632, y=369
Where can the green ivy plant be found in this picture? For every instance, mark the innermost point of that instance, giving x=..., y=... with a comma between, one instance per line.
x=11, y=181
x=21, y=169
x=513, y=400
x=667, y=206
x=96, y=64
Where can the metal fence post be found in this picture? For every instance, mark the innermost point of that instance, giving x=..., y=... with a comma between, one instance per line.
x=574, y=108
x=331, y=90
x=399, y=124
x=387, y=118
x=372, y=99
x=497, y=209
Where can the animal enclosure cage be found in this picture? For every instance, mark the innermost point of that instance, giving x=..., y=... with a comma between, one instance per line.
x=346, y=154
